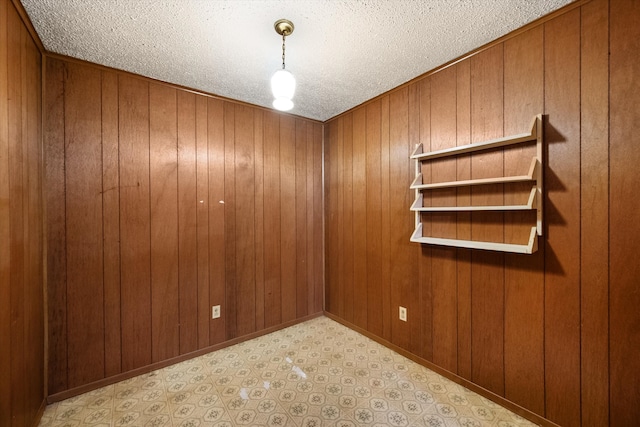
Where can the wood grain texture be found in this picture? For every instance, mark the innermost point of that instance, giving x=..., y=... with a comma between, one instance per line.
x=487, y=268
x=186, y=190
x=562, y=281
x=111, y=226
x=624, y=295
x=594, y=201
x=374, y=218
x=133, y=125
x=245, y=217
x=301, y=145
x=83, y=177
x=346, y=224
x=463, y=221
x=22, y=376
x=443, y=263
x=217, y=252
x=272, y=223
x=163, y=193
x=56, y=228
x=425, y=259
x=359, y=223
x=524, y=286
x=187, y=222
x=288, y=226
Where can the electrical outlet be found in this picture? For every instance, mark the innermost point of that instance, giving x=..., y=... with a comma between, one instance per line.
x=215, y=311
x=403, y=314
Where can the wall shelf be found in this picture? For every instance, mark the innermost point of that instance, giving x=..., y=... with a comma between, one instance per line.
x=531, y=204
x=529, y=248
x=534, y=201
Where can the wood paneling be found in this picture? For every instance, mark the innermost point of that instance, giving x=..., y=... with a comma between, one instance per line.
x=624, y=238
x=163, y=185
x=83, y=177
x=21, y=233
x=562, y=212
x=550, y=332
x=524, y=288
x=181, y=202
x=594, y=201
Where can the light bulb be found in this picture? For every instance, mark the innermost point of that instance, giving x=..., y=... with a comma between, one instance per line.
x=283, y=84
x=282, y=104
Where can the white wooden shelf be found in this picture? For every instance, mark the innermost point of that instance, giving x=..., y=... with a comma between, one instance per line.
x=418, y=153
x=530, y=205
x=529, y=177
x=534, y=201
x=529, y=248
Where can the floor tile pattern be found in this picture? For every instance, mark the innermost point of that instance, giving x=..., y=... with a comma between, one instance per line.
x=317, y=373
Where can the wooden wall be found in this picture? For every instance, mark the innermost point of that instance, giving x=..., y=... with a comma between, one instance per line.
x=21, y=227
x=162, y=203
x=553, y=332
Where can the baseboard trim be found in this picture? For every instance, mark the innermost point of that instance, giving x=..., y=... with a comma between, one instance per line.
x=66, y=394
x=514, y=407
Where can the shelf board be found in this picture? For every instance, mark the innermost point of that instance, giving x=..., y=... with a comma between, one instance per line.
x=531, y=204
x=418, y=153
x=530, y=177
x=529, y=248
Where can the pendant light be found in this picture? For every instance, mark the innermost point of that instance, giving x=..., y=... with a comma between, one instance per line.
x=283, y=84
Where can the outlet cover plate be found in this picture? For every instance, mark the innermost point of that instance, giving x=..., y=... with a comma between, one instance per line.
x=215, y=312
x=403, y=314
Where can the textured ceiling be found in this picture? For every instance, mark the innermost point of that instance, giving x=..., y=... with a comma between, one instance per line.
x=341, y=52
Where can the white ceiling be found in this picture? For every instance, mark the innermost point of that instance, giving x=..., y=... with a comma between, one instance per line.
x=342, y=52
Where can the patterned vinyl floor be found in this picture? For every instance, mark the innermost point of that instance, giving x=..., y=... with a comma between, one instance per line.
x=317, y=373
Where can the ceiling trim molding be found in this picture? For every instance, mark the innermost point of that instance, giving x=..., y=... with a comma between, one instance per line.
x=512, y=34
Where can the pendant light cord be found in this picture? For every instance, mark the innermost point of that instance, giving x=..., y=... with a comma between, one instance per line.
x=283, y=36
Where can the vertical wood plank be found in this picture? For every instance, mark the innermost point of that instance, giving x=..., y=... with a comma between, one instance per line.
x=594, y=200
x=443, y=269
x=5, y=223
x=163, y=177
x=374, y=218
x=562, y=180
x=34, y=309
x=624, y=270
x=385, y=187
x=318, y=217
x=340, y=285
x=288, y=227
x=412, y=294
x=56, y=226
x=216, y=211
x=487, y=269
x=359, y=222
x=258, y=140
x=463, y=220
x=111, y=225
x=83, y=169
x=347, y=261
x=272, y=236
x=330, y=216
x=187, y=222
x=16, y=202
x=301, y=217
x=311, y=202
x=202, y=221
x=401, y=224
x=230, y=220
x=133, y=121
x=245, y=218
x=524, y=277
x=425, y=260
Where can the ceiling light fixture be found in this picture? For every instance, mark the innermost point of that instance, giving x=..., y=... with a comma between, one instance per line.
x=283, y=84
